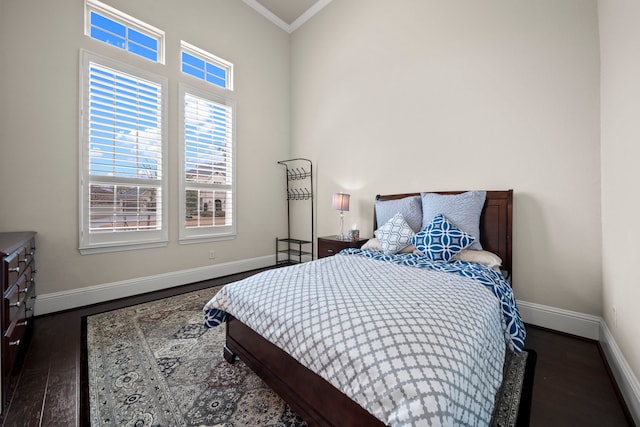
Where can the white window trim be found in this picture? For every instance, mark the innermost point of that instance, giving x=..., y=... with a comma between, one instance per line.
x=130, y=21
x=208, y=57
x=104, y=242
x=208, y=234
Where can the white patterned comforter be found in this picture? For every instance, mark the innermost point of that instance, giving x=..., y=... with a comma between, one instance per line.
x=410, y=345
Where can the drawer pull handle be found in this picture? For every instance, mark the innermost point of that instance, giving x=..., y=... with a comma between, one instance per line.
x=16, y=342
x=25, y=323
x=330, y=251
x=25, y=261
x=15, y=304
x=16, y=269
x=29, y=309
x=33, y=251
x=25, y=290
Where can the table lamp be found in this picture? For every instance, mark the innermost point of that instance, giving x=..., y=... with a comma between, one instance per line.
x=341, y=203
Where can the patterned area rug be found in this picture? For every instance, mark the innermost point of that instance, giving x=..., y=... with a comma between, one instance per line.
x=155, y=365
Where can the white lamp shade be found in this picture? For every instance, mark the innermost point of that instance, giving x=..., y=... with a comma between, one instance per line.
x=341, y=201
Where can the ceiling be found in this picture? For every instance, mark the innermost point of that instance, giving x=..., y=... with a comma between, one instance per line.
x=288, y=14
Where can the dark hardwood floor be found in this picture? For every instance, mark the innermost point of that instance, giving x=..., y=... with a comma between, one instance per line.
x=572, y=386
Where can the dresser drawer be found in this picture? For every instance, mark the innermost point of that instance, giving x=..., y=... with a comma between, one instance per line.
x=17, y=280
x=12, y=267
x=13, y=337
x=29, y=299
x=29, y=278
x=326, y=249
x=329, y=246
x=13, y=301
x=20, y=297
x=17, y=263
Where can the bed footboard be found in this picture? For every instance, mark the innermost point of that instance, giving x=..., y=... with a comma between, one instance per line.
x=313, y=398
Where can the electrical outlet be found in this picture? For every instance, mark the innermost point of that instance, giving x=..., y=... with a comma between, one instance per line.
x=212, y=254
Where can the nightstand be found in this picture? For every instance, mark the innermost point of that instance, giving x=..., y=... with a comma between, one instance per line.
x=331, y=245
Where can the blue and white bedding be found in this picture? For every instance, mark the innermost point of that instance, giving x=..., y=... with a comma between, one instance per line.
x=412, y=341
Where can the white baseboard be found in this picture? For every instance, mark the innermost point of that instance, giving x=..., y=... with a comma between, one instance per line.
x=570, y=322
x=59, y=301
x=626, y=380
x=595, y=328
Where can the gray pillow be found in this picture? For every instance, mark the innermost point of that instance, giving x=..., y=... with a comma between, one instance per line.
x=410, y=208
x=462, y=210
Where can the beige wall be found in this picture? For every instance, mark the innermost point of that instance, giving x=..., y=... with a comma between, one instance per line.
x=620, y=92
x=40, y=40
x=450, y=95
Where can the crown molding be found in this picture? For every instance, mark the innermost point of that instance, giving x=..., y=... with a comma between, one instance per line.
x=317, y=7
x=289, y=28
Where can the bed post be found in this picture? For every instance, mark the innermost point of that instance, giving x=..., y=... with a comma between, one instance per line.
x=229, y=355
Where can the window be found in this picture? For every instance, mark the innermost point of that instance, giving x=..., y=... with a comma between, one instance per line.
x=205, y=66
x=207, y=187
x=113, y=27
x=123, y=150
x=123, y=141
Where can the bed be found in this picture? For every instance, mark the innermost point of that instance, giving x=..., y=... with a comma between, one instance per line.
x=361, y=388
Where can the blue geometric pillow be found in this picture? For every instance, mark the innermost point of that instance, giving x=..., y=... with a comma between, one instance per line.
x=441, y=240
x=394, y=235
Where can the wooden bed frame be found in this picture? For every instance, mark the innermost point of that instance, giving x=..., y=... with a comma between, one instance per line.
x=314, y=399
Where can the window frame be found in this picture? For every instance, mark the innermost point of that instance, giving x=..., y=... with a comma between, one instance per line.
x=119, y=240
x=214, y=233
x=126, y=20
x=207, y=58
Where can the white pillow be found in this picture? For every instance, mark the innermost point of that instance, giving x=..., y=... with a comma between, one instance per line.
x=487, y=258
x=372, y=245
x=375, y=245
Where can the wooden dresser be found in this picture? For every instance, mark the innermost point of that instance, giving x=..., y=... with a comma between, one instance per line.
x=17, y=277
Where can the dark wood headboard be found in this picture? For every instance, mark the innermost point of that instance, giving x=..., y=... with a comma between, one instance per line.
x=496, y=222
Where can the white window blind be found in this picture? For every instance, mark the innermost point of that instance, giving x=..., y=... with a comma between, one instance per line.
x=207, y=146
x=125, y=119
x=123, y=184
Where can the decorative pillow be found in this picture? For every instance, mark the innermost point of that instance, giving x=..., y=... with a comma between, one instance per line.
x=410, y=208
x=372, y=245
x=487, y=258
x=394, y=235
x=462, y=210
x=441, y=240
x=375, y=245
x=408, y=250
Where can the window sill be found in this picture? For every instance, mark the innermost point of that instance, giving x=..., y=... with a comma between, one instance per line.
x=120, y=248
